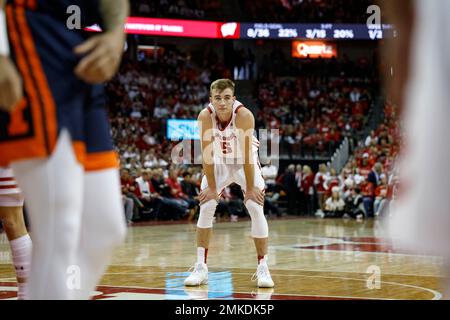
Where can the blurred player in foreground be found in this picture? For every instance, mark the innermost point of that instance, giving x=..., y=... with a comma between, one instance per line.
x=420, y=219
x=230, y=154
x=55, y=135
x=11, y=217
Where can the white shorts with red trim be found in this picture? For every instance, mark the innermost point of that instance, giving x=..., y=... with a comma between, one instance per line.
x=226, y=174
x=10, y=194
x=11, y=200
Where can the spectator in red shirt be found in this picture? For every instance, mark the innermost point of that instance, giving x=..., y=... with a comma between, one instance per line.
x=176, y=190
x=364, y=167
x=128, y=186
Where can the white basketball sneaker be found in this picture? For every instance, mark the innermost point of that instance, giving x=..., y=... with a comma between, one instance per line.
x=263, y=277
x=198, y=277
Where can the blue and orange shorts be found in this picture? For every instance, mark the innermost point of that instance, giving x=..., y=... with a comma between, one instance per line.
x=54, y=98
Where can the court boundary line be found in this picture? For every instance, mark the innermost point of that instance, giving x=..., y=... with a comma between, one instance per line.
x=437, y=294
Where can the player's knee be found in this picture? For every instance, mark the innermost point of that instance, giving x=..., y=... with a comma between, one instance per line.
x=206, y=216
x=260, y=229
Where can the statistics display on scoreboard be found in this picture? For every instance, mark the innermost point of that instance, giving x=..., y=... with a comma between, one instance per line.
x=254, y=30
x=327, y=31
x=181, y=129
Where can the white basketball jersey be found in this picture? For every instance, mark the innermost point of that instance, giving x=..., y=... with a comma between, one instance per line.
x=226, y=145
x=8, y=184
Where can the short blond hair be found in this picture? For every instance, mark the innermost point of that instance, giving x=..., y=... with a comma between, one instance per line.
x=307, y=169
x=222, y=84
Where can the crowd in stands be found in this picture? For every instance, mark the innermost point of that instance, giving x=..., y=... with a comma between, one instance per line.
x=362, y=189
x=314, y=114
x=316, y=111
x=161, y=193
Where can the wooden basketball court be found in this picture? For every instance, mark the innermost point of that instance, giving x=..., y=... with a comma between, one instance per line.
x=308, y=259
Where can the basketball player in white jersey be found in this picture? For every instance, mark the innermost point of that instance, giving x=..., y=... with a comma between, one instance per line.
x=421, y=217
x=11, y=216
x=230, y=155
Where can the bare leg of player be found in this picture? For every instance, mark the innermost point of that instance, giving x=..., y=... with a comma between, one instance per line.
x=261, y=245
x=20, y=243
x=203, y=236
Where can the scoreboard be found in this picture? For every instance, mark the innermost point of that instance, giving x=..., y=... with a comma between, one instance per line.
x=255, y=30
x=327, y=31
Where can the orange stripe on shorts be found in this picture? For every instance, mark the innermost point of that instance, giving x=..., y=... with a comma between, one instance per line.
x=38, y=71
x=31, y=147
x=101, y=160
x=79, y=148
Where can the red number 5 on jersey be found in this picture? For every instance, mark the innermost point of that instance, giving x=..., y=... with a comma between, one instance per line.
x=226, y=147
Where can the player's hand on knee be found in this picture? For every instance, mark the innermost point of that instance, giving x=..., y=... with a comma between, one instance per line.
x=254, y=194
x=208, y=194
x=11, y=91
x=103, y=54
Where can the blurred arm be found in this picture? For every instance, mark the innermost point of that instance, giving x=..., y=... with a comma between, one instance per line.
x=206, y=139
x=245, y=122
x=114, y=13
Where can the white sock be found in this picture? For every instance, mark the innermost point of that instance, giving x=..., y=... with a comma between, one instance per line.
x=201, y=255
x=263, y=261
x=21, y=255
